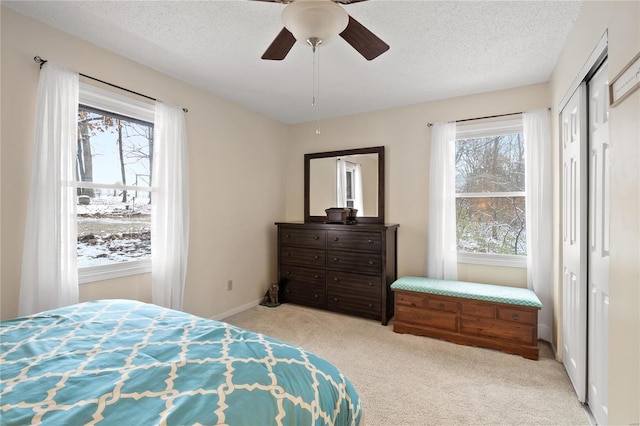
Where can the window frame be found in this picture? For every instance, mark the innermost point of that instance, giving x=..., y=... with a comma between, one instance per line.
x=484, y=129
x=128, y=108
x=350, y=178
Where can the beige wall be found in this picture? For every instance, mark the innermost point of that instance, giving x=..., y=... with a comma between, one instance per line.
x=622, y=22
x=406, y=138
x=323, y=185
x=369, y=167
x=236, y=173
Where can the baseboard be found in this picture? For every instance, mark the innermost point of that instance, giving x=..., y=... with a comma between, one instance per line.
x=223, y=315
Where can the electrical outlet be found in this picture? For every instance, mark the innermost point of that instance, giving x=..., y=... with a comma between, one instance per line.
x=229, y=285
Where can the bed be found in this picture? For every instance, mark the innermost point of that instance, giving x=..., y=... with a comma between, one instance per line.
x=126, y=362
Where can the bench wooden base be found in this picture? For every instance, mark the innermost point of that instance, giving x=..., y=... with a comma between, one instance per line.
x=508, y=328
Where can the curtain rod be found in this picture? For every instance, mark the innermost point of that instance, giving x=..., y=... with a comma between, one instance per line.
x=488, y=116
x=41, y=62
x=481, y=118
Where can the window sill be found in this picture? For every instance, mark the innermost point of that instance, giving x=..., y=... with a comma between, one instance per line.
x=118, y=270
x=504, y=260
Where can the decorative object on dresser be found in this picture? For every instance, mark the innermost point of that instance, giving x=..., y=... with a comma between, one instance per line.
x=344, y=215
x=490, y=316
x=342, y=268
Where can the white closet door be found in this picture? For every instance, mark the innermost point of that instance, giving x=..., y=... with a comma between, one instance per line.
x=598, y=262
x=574, y=241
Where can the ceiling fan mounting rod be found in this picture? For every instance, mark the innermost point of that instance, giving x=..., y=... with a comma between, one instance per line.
x=314, y=42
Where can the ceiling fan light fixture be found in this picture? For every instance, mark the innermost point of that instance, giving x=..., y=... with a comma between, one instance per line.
x=314, y=19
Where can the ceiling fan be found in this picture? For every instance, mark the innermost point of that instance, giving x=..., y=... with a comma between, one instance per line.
x=317, y=22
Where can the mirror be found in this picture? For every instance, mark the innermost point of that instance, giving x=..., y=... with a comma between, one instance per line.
x=350, y=178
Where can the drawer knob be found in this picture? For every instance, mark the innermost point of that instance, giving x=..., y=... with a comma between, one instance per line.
x=287, y=291
x=370, y=241
x=370, y=284
x=316, y=257
x=287, y=236
x=335, y=299
x=440, y=305
x=336, y=279
x=316, y=296
x=371, y=262
x=287, y=254
x=316, y=276
x=515, y=316
x=370, y=305
x=315, y=237
x=288, y=273
x=335, y=259
x=336, y=239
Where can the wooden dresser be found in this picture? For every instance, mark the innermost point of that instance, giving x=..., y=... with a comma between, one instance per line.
x=342, y=268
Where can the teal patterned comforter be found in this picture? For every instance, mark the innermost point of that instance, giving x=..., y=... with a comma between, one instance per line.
x=119, y=362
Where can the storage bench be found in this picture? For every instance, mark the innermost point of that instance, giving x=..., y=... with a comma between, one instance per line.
x=490, y=316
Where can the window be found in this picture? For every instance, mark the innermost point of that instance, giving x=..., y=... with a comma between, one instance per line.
x=490, y=193
x=113, y=180
x=351, y=183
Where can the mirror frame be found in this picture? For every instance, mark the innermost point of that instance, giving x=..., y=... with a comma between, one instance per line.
x=307, y=184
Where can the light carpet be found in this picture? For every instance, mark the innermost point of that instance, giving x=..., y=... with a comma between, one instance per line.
x=412, y=380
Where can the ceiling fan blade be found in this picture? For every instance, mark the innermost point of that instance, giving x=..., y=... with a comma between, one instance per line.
x=363, y=40
x=280, y=46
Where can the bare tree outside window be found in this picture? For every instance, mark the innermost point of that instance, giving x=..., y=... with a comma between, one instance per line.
x=490, y=195
x=114, y=158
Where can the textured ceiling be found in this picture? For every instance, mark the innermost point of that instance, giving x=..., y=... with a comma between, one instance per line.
x=439, y=49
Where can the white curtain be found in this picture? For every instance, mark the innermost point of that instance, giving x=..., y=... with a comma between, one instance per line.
x=49, y=265
x=538, y=187
x=442, y=257
x=170, y=207
x=359, y=195
x=341, y=183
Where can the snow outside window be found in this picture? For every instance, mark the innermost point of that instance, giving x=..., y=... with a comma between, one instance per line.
x=490, y=193
x=113, y=181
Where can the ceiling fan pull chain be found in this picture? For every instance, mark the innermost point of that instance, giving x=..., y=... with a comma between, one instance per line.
x=317, y=89
x=315, y=43
x=313, y=76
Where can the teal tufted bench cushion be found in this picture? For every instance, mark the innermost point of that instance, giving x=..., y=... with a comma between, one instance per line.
x=467, y=290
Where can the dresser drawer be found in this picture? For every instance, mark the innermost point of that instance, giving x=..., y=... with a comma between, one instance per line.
x=304, y=293
x=347, y=302
x=356, y=293
x=361, y=241
x=427, y=318
x=297, y=273
x=365, y=284
x=354, y=262
x=302, y=256
x=442, y=305
x=517, y=315
x=315, y=238
x=502, y=330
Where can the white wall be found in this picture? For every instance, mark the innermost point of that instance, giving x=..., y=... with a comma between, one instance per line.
x=236, y=172
x=621, y=20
